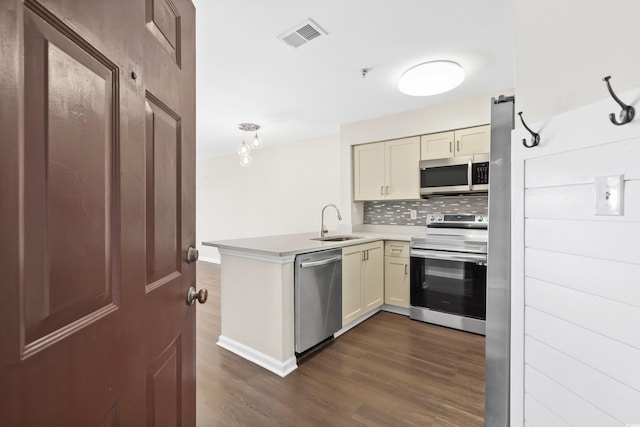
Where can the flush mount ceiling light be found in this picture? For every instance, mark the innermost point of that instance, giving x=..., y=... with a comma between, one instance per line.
x=431, y=78
x=244, y=149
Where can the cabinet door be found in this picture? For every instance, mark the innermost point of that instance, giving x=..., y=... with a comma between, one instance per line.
x=368, y=171
x=396, y=281
x=351, y=283
x=476, y=140
x=401, y=169
x=373, y=276
x=436, y=145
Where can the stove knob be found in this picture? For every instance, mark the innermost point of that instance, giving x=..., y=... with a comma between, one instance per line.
x=480, y=219
x=432, y=218
x=439, y=218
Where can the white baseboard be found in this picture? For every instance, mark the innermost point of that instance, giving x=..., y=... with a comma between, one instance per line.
x=211, y=260
x=269, y=363
x=355, y=323
x=395, y=309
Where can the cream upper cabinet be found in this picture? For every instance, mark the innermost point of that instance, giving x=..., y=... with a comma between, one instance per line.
x=396, y=274
x=436, y=145
x=368, y=171
x=387, y=170
x=476, y=140
x=362, y=279
x=462, y=142
x=401, y=169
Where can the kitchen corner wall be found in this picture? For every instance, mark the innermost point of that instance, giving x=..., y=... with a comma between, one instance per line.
x=398, y=212
x=283, y=192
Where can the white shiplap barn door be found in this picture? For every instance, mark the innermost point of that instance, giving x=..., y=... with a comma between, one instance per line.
x=576, y=275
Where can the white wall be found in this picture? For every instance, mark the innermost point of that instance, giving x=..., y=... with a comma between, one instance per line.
x=576, y=273
x=565, y=48
x=283, y=192
x=574, y=278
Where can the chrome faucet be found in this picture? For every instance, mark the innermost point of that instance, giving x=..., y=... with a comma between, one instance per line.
x=323, y=228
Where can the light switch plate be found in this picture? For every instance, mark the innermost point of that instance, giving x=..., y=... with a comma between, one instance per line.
x=609, y=194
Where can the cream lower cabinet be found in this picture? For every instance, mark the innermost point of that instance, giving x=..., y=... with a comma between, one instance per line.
x=396, y=274
x=362, y=279
x=387, y=170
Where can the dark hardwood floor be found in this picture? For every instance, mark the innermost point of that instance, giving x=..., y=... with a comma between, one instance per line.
x=387, y=371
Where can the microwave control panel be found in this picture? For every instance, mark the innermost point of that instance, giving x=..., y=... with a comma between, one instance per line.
x=480, y=173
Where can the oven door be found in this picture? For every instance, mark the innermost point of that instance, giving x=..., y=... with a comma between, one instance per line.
x=449, y=282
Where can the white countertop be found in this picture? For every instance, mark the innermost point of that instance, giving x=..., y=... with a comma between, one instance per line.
x=292, y=244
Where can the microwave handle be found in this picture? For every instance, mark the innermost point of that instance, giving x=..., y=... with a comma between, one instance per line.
x=469, y=174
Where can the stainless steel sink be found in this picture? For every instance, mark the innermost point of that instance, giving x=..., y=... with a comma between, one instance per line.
x=336, y=238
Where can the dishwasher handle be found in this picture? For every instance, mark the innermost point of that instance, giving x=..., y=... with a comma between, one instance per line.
x=321, y=262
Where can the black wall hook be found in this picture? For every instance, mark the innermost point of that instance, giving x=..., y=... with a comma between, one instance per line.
x=535, y=138
x=627, y=113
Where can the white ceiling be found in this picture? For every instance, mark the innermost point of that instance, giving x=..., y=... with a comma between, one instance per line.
x=245, y=74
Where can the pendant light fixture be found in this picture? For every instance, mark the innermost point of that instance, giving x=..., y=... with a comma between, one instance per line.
x=244, y=149
x=431, y=78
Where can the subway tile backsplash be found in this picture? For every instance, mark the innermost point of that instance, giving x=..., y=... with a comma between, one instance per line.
x=399, y=212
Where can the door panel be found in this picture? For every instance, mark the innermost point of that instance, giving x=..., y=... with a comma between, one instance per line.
x=70, y=280
x=98, y=209
x=163, y=21
x=164, y=395
x=112, y=418
x=163, y=192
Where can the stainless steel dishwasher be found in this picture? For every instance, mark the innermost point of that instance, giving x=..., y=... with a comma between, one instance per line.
x=318, y=297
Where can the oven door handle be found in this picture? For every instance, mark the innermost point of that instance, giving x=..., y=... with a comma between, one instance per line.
x=448, y=256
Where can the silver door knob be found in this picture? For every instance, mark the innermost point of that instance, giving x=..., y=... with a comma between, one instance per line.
x=192, y=255
x=193, y=295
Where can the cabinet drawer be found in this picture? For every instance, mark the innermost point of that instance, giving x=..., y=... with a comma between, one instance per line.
x=396, y=248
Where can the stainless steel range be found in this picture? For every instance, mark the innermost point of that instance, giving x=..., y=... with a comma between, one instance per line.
x=449, y=272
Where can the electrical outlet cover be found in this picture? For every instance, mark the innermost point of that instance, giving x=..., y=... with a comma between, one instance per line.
x=609, y=194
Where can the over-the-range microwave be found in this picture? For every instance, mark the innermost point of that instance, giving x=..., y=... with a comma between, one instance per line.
x=454, y=175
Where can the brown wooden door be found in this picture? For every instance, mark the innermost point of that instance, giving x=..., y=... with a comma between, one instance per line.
x=97, y=162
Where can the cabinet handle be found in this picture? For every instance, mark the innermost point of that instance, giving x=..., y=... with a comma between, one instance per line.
x=382, y=190
x=387, y=190
x=405, y=269
x=451, y=146
x=458, y=145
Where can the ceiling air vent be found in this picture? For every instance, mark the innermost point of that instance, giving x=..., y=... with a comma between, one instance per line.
x=302, y=33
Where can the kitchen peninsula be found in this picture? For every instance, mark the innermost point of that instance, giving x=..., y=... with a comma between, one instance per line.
x=257, y=293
